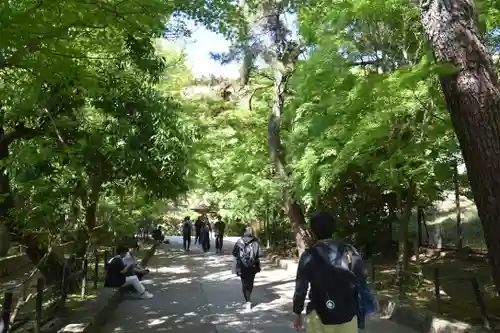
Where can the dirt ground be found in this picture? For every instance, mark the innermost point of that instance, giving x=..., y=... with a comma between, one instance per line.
x=457, y=300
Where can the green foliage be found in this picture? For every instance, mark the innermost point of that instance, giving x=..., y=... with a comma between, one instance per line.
x=229, y=158
x=104, y=128
x=90, y=115
x=364, y=118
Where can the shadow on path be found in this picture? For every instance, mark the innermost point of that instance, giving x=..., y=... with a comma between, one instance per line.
x=197, y=293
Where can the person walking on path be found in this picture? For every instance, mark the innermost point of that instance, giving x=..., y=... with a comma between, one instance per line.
x=117, y=274
x=158, y=234
x=247, y=254
x=219, y=228
x=187, y=227
x=197, y=230
x=206, y=229
x=334, y=271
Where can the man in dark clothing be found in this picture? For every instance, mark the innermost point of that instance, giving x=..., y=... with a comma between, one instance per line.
x=118, y=274
x=158, y=235
x=197, y=230
x=333, y=269
x=219, y=227
x=247, y=255
x=187, y=226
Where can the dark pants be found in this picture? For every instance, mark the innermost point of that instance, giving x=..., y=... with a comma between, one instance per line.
x=205, y=241
x=197, y=237
x=219, y=239
x=186, y=241
x=247, y=281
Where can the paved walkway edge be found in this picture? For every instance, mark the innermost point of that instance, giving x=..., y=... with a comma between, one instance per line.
x=422, y=321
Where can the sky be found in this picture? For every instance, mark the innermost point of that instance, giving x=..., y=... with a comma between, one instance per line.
x=198, y=48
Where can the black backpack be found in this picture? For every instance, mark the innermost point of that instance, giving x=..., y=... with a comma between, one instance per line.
x=334, y=287
x=247, y=255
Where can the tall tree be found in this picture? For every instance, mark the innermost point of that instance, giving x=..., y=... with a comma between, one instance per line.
x=472, y=94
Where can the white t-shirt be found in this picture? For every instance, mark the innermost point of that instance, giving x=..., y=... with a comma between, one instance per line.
x=129, y=259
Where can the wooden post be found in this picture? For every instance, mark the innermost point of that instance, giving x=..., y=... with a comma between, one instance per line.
x=84, y=276
x=373, y=272
x=96, y=270
x=480, y=302
x=369, y=270
x=7, y=305
x=65, y=282
x=419, y=226
x=456, y=184
x=401, y=284
x=106, y=259
x=39, y=303
x=437, y=290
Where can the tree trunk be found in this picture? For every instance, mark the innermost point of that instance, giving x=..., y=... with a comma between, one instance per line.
x=51, y=267
x=91, y=201
x=4, y=240
x=419, y=226
x=7, y=202
x=472, y=95
x=405, y=203
x=291, y=206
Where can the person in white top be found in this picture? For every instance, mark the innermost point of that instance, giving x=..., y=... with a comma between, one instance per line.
x=130, y=259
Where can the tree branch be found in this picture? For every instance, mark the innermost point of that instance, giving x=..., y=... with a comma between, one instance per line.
x=362, y=63
x=20, y=132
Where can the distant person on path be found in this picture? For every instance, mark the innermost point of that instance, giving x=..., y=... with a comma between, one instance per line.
x=247, y=254
x=118, y=274
x=219, y=228
x=334, y=271
x=197, y=230
x=206, y=229
x=187, y=226
x=158, y=235
x=130, y=259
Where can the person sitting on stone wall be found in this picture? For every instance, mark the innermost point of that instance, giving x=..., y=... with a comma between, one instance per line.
x=118, y=274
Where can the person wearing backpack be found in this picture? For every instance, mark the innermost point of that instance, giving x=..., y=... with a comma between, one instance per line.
x=247, y=254
x=187, y=226
x=338, y=290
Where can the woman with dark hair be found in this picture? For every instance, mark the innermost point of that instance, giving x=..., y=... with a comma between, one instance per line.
x=117, y=274
x=206, y=229
x=247, y=254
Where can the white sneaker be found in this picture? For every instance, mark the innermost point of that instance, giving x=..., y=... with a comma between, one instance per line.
x=248, y=306
x=146, y=295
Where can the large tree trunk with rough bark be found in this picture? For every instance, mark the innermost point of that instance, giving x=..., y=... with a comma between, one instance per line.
x=473, y=98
